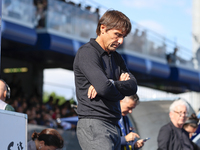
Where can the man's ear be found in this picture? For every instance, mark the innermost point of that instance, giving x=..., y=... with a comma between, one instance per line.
x=4, y=93
x=103, y=29
x=171, y=115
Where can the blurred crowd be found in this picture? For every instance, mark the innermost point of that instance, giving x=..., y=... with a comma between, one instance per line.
x=40, y=113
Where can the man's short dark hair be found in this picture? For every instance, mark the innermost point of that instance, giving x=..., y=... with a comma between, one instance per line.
x=135, y=98
x=114, y=19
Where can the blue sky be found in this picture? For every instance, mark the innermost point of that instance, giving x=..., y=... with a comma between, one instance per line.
x=170, y=18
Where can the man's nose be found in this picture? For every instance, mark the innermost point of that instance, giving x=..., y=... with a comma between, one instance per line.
x=120, y=40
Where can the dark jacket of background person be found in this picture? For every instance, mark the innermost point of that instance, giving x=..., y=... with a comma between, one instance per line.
x=173, y=138
x=91, y=67
x=127, y=130
x=196, y=147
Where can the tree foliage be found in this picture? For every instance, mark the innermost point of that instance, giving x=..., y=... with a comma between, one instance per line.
x=61, y=99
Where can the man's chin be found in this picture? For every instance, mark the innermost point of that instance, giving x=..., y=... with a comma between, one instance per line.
x=112, y=49
x=181, y=123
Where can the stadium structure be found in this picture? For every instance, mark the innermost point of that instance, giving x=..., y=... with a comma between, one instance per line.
x=36, y=36
x=48, y=36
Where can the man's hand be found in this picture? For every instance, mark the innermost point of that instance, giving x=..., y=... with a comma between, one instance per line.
x=131, y=136
x=139, y=143
x=124, y=77
x=92, y=93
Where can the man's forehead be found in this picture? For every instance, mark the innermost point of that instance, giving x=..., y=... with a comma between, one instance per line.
x=120, y=31
x=180, y=107
x=132, y=103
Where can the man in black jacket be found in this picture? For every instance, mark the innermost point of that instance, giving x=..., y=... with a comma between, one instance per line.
x=102, y=80
x=172, y=136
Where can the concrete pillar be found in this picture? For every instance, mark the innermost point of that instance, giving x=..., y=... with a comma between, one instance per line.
x=195, y=28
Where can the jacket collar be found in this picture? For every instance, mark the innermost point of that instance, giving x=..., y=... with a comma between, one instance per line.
x=97, y=46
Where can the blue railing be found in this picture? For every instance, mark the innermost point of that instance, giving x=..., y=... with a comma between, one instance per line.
x=71, y=19
x=153, y=45
x=19, y=11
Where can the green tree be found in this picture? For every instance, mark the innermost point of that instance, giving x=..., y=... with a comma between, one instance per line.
x=62, y=99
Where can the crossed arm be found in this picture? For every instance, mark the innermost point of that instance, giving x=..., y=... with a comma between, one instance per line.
x=92, y=92
x=91, y=70
x=131, y=136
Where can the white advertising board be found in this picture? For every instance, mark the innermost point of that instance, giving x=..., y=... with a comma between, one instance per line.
x=13, y=130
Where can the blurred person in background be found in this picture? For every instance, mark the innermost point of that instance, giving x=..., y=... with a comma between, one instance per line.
x=191, y=125
x=5, y=93
x=129, y=138
x=172, y=57
x=47, y=139
x=172, y=136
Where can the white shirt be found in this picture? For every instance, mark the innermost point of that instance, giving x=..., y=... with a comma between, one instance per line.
x=2, y=105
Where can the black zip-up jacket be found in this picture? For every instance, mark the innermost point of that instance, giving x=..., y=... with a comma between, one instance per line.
x=93, y=66
x=173, y=138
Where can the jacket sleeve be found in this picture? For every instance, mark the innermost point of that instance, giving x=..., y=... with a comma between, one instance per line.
x=90, y=66
x=127, y=126
x=128, y=87
x=10, y=108
x=123, y=141
x=163, y=138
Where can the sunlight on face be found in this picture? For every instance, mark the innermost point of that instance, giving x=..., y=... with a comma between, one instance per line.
x=179, y=115
x=113, y=39
x=127, y=107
